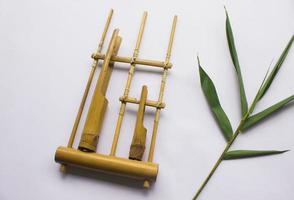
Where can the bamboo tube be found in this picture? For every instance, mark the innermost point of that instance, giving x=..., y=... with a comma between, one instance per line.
x=139, y=138
x=99, y=102
x=128, y=84
x=162, y=86
x=86, y=91
x=121, y=166
x=92, y=72
x=151, y=63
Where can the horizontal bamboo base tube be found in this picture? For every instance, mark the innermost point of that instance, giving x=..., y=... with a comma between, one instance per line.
x=129, y=168
x=151, y=63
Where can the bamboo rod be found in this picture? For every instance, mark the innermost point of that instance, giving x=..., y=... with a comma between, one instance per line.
x=146, y=183
x=162, y=86
x=91, y=75
x=151, y=63
x=128, y=84
x=150, y=103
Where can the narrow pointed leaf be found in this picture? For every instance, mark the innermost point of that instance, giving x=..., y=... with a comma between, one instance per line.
x=276, y=69
x=267, y=112
x=237, y=154
x=234, y=56
x=213, y=101
x=257, y=94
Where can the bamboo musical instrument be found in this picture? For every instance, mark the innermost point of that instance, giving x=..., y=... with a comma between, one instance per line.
x=85, y=156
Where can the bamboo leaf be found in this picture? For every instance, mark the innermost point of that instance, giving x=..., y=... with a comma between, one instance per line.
x=234, y=56
x=276, y=69
x=237, y=154
x=257, y=94
x=267, y=112
x=213, y=101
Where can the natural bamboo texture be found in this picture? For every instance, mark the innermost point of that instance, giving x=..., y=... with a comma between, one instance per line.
x=128, y=85
x=139, y=138
x=95, y=116
x=110, y=164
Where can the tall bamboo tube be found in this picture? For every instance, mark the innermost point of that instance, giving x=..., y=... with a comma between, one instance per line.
x=95, y=116
x=160, y=98
x=92, y=72
x=128, y=84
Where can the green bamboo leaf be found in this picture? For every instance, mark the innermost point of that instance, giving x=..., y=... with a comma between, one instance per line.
x=234, y=56
x=213, y=101
x=276, y=69
x=267, y=112
x=237, y=154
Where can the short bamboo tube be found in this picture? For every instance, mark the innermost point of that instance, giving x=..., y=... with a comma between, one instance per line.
x=139, y=138
x=128, y=85
x=120, y=166
x=95, y=116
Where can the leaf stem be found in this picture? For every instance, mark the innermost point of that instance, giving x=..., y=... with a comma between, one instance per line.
x=220, y=159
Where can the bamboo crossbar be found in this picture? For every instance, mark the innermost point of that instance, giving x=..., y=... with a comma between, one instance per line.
x=150, y=103
x=151, y=63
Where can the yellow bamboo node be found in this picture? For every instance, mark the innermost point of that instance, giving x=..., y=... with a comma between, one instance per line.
x=85, y=155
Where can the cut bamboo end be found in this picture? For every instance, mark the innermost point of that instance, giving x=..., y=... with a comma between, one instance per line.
x=129, y=168
x=137, y=151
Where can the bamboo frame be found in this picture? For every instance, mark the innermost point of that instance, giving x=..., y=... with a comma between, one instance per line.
x=128, y=85
x=143, y=170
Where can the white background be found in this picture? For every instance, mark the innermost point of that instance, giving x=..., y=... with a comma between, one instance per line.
x=45, y=60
